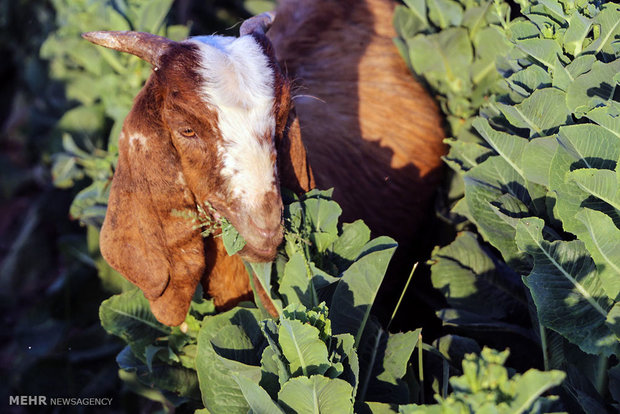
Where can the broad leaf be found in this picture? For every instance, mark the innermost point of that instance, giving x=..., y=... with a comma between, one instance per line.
x=227, y=335
x=316, y=394
x=257, y=398
x=128, y=315
x=566, y=290
x=301, y=346
x=357, y=288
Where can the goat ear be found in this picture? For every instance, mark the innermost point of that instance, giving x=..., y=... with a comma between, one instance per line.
x=258, y=24
x=142, y=237
x=294, y=168
x=146, y=46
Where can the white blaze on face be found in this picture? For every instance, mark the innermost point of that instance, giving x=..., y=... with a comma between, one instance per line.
x=239, y=84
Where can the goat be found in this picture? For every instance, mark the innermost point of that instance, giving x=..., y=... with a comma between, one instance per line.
x=216, y=123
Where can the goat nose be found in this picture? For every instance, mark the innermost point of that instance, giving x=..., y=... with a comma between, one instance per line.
x=265, y=230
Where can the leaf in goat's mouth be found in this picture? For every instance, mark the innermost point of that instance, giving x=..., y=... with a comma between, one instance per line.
x=206, y=219
x=233, y=241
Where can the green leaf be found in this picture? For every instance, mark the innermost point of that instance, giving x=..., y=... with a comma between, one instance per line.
x=509, y=147
x=443, y=58
x=607, y=117
x=602, y=184
x=350, y=243
x=592, y=89
x=528, y=80
x=566, y=290
x=409, y=21
x=484, y=185
x=545, y=51
x=65, y=171
x=152, y=15
x=613, y=320
x=233, y=241
x=581, y=146
x=445, y=13
x=129, y=317
x=357, y=288
x=257, y=398
x=305, y=352
x=228, y=335
x=463, y=156
x=602, y=243
x=609, y=29
x=531, y=385
x=378, y=408
x=316, y=394
x=537, y=157
x=346, y=353
x=258, y=6
x=470, y=280
x=576, y=33
x=400, y=346
x=295, y=286
x=174, y=379
x=540, y=113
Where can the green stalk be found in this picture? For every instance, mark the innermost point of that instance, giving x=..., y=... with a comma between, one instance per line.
x=402, y=295
x=543, y=345
x=421, y=368
x=601, y=377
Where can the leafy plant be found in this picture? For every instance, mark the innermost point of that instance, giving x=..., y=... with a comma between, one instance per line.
x=324, y=351
x=486, y=385
x=540, y=175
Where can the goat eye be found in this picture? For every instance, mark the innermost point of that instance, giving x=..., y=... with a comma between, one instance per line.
x=188, y=132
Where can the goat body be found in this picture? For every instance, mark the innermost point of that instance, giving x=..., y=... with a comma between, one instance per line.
x=216, y=113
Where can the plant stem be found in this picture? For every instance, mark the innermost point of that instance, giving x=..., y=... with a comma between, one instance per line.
x=601, y=377
x=543, y=345
x=402, y=295
x=421, y=368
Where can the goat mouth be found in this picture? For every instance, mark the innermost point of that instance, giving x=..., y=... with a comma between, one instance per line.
x=258, y=254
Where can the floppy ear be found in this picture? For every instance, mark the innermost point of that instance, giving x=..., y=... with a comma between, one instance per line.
x=141, y=237
x=293, y=165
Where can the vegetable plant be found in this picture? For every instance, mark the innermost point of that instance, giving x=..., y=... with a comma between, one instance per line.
x=536, y=162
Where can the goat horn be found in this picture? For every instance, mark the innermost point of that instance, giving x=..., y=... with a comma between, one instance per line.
x=258, y=24
x=146, y=46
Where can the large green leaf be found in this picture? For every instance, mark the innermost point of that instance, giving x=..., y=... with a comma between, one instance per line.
x=295, y=286
x=540, y=113
x=509, y=147
x=399, y=348
x=603, y=243
x=349, y=244
x=567, y=292
x=470, y=279
x=592, y=89
x=445, y=13
x=484, y=186
x=444, y=57
x=316, y=394
x=531, y=386
x=257, y=398
x=128, y=315
x=305, y=352
x=357, y=288
x=609, y=30
x=581, y=146
x=233, y=334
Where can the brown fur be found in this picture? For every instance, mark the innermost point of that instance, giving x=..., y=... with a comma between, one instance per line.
x=369, y=128
x=371, y=131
